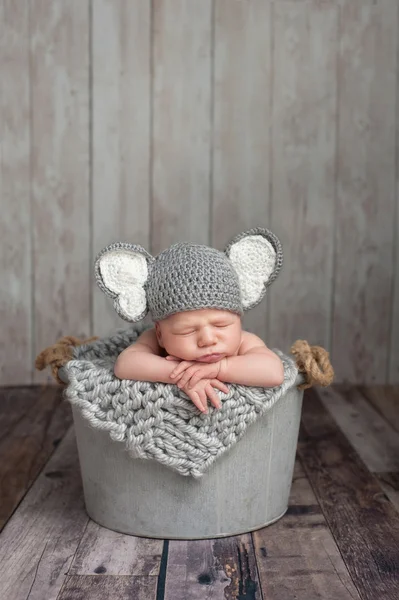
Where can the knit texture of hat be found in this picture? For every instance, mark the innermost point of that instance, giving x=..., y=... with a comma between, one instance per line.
x=190, y=276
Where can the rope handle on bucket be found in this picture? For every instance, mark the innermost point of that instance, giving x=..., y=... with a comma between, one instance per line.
x=57, y=355
x=312, y=361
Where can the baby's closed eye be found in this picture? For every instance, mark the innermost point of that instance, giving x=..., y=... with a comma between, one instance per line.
x=191, y=331
x=185, y=333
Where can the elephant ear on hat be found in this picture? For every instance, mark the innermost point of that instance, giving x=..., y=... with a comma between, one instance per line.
x=121, y=271
x=257, y=257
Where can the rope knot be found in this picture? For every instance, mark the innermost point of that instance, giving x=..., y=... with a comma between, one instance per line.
x=57, y=355
x=314, y=363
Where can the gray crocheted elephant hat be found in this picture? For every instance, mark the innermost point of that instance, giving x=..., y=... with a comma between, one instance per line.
x=188, y=276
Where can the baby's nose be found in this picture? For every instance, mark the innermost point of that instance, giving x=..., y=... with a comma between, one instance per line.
x=206, y=337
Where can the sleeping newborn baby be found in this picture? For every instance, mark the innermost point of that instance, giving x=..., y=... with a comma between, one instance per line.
x=196, y=296
x=198, y=350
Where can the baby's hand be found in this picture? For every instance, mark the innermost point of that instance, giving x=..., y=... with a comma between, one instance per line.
x=179, y=370
x=189, y=373
x=203, y=390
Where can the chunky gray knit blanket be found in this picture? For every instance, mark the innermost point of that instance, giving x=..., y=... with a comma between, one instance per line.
x=156, y=420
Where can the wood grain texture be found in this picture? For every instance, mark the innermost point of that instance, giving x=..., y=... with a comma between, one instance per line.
x=375, y=439
x=84, y=587
x=367, y=66
x=15, y=246
x=121, y=107
x=376, y=442
x=241, y=121
x=60, y=170
x=27, y=442
x=365, y=526
x=196, y=122
x=14, y=403
x=105, y=552
x=220, y=568
x=38, y=543
x=181, y=122
x=297, y=557
x=390, y=484
x=303, y=169
x=385, y=399
x=51, y=549
x=393, y=373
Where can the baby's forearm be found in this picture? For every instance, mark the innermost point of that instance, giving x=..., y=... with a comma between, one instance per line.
x=142, y=366
x=259, y=370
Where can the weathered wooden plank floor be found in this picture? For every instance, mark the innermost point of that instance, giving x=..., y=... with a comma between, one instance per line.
x=339, y=539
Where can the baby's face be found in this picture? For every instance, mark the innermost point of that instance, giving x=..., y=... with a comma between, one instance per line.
x=197, y=334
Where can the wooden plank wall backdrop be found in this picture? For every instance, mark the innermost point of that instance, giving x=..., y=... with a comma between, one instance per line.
x=366, y=198
x=15, y=258
x=59, y=84
x=240, y=195
x=156, y=122
x=121, y=110
x=303, y=169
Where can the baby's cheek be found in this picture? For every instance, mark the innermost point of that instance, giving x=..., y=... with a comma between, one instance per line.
x=173, y=346
x=234, y=336
x=178, y=347
x=236, y=340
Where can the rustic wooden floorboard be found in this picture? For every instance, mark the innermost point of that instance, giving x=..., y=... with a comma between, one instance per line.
x=102, y=551
x=376, y=442
x=212, y=569
x=372, y=436
x=390, y=484
x=297, y=556
x=40, y=540
x=33, y=420
x=338, y=540
x=15, y=402
x=85, y=587
x=51, y=537
x=385, y=399
x=364, y=524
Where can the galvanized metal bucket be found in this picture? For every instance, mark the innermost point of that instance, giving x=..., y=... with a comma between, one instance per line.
x=245, y=489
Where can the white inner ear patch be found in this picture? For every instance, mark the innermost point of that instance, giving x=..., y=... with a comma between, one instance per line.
x=124, y=273
x=133, y=301
x=122, y=270
x=254, y=259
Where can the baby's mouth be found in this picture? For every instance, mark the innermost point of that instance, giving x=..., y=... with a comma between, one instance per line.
x=210, y=358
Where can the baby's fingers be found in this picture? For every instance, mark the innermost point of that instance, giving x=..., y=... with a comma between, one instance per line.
x=220, y=385
x=204, y=400
x=188, y=373
x=212, y=395
x=179, y=369
x=195, y=397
